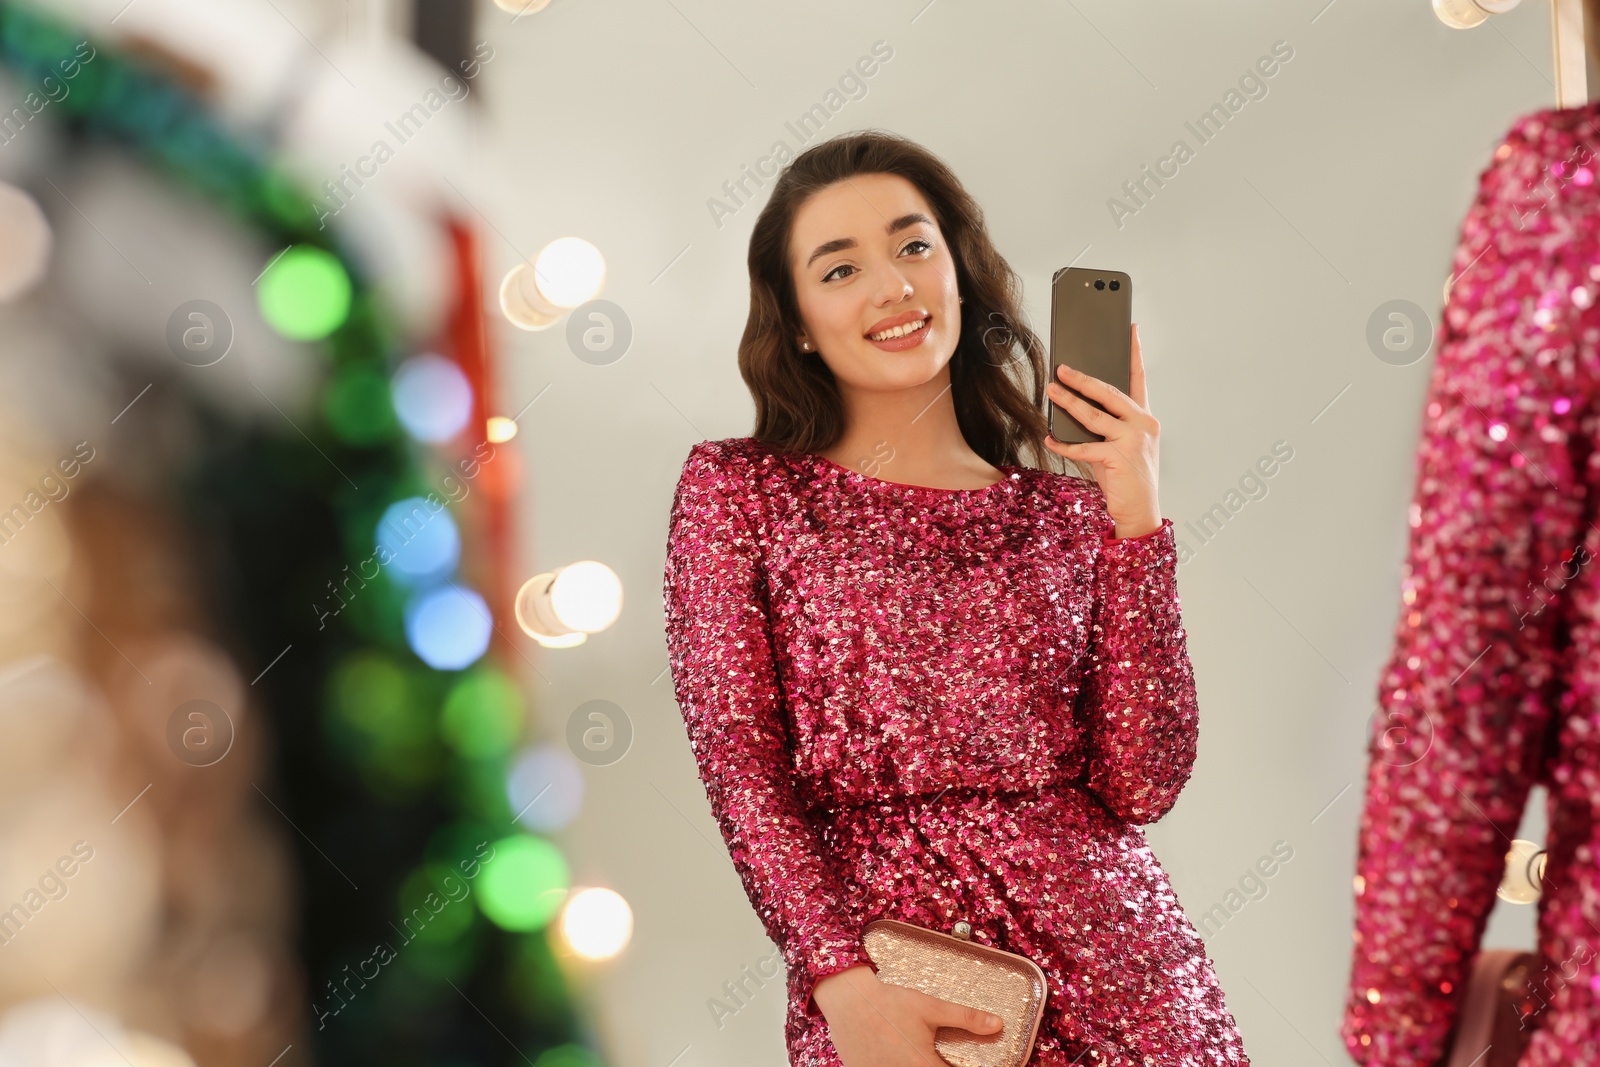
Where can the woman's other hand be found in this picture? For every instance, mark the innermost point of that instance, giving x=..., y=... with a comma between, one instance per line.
x=1125, y=462
x=875, y=1024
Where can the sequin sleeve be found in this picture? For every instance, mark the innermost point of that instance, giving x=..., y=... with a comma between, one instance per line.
x=1137, y=703
x=1465, y=696
x=724, y=673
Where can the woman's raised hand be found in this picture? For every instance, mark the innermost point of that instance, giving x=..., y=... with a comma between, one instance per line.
x=875, y=1024
x=1125, y=462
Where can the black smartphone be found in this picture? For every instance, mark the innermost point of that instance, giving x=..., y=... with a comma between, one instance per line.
x=1091, y=327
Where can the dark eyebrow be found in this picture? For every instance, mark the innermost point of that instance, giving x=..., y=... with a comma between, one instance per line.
x=838, y=244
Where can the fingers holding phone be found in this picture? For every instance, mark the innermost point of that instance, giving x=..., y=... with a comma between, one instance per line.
x=1125, y=456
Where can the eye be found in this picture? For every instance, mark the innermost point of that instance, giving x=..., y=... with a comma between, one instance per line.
x=926, y=246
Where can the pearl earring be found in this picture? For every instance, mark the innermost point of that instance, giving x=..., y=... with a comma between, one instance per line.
x=805, y=346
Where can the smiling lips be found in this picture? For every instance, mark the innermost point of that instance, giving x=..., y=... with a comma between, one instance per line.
x=902, y=335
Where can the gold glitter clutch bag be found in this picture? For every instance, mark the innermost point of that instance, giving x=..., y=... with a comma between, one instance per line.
x=957, y=969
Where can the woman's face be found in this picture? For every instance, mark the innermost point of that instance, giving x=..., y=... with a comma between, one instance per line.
x=882, y=261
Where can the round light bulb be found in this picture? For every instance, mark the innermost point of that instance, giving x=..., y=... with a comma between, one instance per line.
x=569, y=271
x=1465, y=14
x=1524, y=876
x=25, y=242
x=586, y=596
x=521, y=302
x=597, y=923
x=561, y=608
x=572, y=640
x=1459, y=14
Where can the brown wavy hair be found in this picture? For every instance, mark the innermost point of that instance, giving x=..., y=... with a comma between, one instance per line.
x=999, y=369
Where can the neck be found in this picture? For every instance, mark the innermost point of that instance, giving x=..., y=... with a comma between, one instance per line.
x=908, y=435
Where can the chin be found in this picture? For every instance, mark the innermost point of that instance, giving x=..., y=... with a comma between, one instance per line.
x=903, y=370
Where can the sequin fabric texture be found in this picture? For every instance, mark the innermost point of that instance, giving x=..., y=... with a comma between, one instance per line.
x=937, y=705
x=1491, y=682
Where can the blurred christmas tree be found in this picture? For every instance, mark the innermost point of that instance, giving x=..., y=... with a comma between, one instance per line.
x=426, y=905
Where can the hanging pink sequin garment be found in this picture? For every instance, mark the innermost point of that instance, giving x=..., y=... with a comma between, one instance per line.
x=935, y=705
x=1491, y=683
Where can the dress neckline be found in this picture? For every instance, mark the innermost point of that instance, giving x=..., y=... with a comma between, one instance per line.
x=1007, y=476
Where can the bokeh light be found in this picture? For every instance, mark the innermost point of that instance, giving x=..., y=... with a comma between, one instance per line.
x=586, y=596
x=501, y=476
x=569, y=271
x=597, y=923
x=358, y=406
x=376, y=719
x=448, y=627
x=500, y=429
x=521, y=302
x=432, y=397
x=419, y=540
x=305, y=293
x=569, y=1055
x=566, y=273
x=1459, y=14
x=522, y=7
x=545, y=787
x=25, y=242
x=482, y=714
x=1522, y=881
x=524, y=884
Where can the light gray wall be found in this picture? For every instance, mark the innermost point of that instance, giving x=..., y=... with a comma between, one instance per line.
x=1256, y=269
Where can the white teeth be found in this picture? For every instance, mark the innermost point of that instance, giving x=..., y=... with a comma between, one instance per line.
x=898, y=331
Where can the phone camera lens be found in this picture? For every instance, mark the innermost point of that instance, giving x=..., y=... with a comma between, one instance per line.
x=1099, y=283
x=1115, y=285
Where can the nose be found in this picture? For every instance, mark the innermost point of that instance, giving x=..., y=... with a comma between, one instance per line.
x=893, y=287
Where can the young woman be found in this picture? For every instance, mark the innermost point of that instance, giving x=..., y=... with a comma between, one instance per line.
x=921, y=679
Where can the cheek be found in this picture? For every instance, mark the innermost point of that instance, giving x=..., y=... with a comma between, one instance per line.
x=933, y=282
x=833, y=315
x=936, y=287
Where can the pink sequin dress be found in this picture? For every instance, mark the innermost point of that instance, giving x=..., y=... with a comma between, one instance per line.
x=1491, y=685
x=944, y=704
